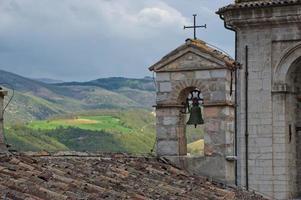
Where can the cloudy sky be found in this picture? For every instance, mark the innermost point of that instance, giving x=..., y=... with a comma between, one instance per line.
x=88, y=39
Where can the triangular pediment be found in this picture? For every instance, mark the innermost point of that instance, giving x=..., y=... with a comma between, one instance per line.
x=193, y=55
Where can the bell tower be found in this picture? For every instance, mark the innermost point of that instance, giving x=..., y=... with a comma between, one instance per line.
x=198, y=79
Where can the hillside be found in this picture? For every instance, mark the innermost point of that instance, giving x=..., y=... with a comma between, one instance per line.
x=116, y=83
x=35, y=100
x=108, y=115
x=131, y=131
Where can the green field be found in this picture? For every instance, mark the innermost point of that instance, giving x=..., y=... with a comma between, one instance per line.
x=131, y=131
x=92, y=123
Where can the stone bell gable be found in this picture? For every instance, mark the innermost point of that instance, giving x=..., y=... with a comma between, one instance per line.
x=196, y=66
x=193, y=55
x=193, y=64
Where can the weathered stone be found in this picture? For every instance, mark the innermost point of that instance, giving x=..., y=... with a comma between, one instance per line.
x=272, y=32
x=178, y=74
x=182, y=76
x=166, y=132
x=218, y=73
x=212, y=112
x=202, y=74
x=165, y=87
x=167, y=147
x=170, y=121
x=218, y=96
x=162, y=97
x=164, y=76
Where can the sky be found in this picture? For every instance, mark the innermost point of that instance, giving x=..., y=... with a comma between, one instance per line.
x=78, y=40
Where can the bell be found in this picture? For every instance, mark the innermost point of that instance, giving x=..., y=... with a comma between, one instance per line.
x=195, y=117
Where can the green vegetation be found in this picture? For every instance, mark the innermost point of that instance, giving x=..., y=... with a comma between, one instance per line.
x=35, y=100
x=25, y=139
x=115, y=83
x=129, y=131
x=92, y=123
x=196, y=148
x=126, y=124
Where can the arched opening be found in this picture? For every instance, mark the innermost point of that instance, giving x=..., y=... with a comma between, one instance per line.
x=192, y=120
x=293, y=116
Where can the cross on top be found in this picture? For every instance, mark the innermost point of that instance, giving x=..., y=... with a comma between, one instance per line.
x=195, y=26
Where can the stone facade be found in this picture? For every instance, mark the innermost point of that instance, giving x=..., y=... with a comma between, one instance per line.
x=2, y=142
x=272, y=32
x=194, y=65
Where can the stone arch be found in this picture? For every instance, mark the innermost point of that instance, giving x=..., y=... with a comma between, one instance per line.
x=183, y=117
x=287, y=108
x=285, y=66
x=179, y=89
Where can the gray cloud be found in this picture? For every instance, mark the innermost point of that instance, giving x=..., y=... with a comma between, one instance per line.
x=87, y=39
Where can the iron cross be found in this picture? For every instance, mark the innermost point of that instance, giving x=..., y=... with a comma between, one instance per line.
x=195, y=26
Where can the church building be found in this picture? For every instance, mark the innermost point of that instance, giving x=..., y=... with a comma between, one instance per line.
x=250, y=105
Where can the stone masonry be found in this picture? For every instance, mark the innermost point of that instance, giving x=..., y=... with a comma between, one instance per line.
x=195, y=65
x=272, y=31
x=2, y=142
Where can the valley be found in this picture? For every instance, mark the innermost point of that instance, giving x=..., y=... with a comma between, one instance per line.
x=130, y=131
x=103, y=115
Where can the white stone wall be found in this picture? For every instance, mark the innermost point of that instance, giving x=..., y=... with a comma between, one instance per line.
x=273, y=35
x=271, y=157
x=260, y=110
x=174, y=82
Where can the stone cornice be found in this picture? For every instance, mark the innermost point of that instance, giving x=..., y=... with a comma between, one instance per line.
x=238, y=23
x=261, y=16
x=282, y=88
x=169, y=106
x=208, y=104
x=219, y=104
x=3, y=93
x=249, y=4
x=194, y=69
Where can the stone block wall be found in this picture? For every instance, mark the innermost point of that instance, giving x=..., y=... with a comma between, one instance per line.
x=272, y=35
x=172, y=91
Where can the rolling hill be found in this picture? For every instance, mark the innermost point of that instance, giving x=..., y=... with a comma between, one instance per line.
x=131, y=131
x=36, y=100
x=107, y=115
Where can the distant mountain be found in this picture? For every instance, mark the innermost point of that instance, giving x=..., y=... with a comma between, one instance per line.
x=48, y=80
x=38, y=100
x=116, y=83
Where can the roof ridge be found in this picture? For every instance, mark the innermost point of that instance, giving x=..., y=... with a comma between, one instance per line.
x=257, y=4
x=201, y=46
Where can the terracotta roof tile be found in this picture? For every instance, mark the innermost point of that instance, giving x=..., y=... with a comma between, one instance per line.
x=257, y=4
x=202, y=46
x=115, y=176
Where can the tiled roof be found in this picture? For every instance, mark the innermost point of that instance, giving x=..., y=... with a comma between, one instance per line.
x=214, y=52
x=257, y=4
x=202, y=46
x=116, y=176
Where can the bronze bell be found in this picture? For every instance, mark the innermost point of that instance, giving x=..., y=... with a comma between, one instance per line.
x=195, y=117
